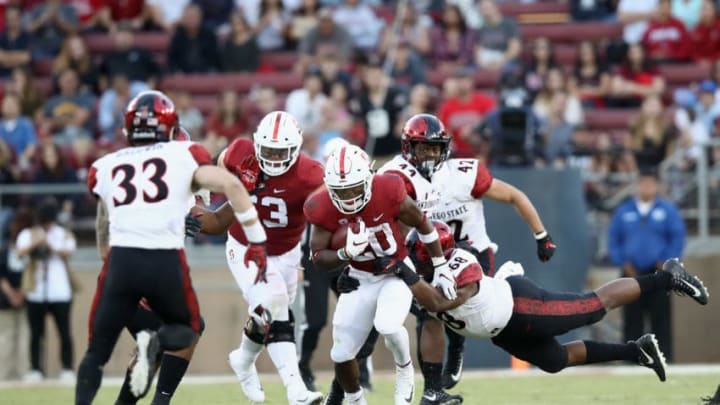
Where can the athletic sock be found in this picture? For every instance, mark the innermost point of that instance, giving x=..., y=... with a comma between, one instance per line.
x=399, y=345
x=354, y=396
x=658, y=281
x=242, y=358
x=597, y=352
x=125, y=397
x=432, y=374
x=284, y=356
x=171, y=373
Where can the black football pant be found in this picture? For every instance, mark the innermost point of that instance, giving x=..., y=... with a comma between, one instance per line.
x=160, y=276
x=60, y=311
x=539, y=316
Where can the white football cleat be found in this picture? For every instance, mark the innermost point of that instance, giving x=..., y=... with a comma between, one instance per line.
x=404, y=384
x=310, y=398
x=146, y=362
x=249, y=379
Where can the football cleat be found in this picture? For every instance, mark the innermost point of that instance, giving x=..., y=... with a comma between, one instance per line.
x=404, y=384
x=309, y=398
x=336, y=394
x=685, y=283
x=146, y=362
x=307, y=376
x=650, y=355
x=440, y=397
x=452, y=371
x=714, y=400
x=249, y=379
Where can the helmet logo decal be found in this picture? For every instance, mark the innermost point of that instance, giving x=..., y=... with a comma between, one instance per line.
x=342, y=163
x=276, y=127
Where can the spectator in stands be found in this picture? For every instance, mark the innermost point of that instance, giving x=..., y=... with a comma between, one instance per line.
x=82, y=157
x=193, y=48
x=53, y=168
x=420, y=102
x=189, y=116
x=9, y=174
x=132, y=13
x=706, y=34
x=644, y=232
x=593, y=10
x=707, y=110
x=240, y=50
x=498, y=39
x=94, y=15
x=22, y=84
x=635, y=15
x=557, y=132
x=591, y=79
x=306, y=103
x=332, y=72
x=464, y=111
x=327, y=38
x=652, y=135
x=636, y=78
x=303, y=20
x=48, y=284
x=227, y=123
x=13, y=322
x=542, y=59
x=216, y=13
x=14, y=43
x=336, y=119
x=687, y=11
x=68, y=113
x=75, y=55
x=17, y=131
x=165, y=13
x=135, y=62
x=378, y=104
x=47, y=24
x=408, y=69
x=666, y=39
x=271, y=25
x=361, y=22
x=692, y=132
x=453, y=44
x=556, y=84
x=415, y=30
x=111, y=108
x=264, y=101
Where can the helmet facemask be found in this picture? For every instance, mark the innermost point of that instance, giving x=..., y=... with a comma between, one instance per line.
x=352, y=198
x=428, y=156
x=276, y=161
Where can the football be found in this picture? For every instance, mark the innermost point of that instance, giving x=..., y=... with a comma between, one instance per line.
x=338, y=238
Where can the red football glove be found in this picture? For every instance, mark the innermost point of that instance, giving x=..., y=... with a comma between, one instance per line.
x=248, y=171
x=256, y=253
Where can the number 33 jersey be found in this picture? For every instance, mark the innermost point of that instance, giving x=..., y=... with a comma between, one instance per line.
x=485, y=314
x=278, y=199
x=147, y=191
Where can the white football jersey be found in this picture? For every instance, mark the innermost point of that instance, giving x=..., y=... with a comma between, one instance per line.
x=148, y=191
x=461, y=183
x=486, y=313
x=426, y=196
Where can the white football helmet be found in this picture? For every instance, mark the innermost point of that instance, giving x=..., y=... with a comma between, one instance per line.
x=277, y=142
x=348, y=178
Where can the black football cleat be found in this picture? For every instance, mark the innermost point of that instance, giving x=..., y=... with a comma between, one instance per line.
x=307, y=376
x=685, y=283
x=432, y=397
x=714, y=400
x=650, y=355
x=336, y=395
x=452, y=372
x=146, y=363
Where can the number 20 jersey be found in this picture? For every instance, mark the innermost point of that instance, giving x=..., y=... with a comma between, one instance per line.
x=147, y=191
x=278, y=199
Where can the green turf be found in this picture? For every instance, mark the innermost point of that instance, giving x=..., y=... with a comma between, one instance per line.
x=536, y=390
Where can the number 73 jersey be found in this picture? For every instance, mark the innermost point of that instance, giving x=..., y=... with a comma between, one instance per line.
x=147, y=191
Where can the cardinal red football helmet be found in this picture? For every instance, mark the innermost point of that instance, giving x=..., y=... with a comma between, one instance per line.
x=417, y=250
x=425, y=129
x=150, y=117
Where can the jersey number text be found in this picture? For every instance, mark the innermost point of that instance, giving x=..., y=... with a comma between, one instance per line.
x=159, y=168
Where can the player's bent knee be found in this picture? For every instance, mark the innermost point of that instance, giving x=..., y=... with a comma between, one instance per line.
x=340, y=354
x=554, y=364
x=175, y=337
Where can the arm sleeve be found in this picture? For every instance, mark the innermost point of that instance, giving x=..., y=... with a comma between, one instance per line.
x=470, y=274
x=483, y=180
x=615, y=238
x=675, y=233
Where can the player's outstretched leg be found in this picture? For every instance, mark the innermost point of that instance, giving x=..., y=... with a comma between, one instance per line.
x=454, y=363
x=714, y=400
x=242, y=361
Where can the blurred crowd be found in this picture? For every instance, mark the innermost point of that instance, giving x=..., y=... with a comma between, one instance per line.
x=365, y=66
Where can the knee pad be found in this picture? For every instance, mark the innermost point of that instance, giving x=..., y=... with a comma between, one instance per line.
x=254, y=331
x=175, y=337
x=281, y=331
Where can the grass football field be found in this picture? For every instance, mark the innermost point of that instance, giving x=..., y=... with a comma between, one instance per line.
x=596, y=386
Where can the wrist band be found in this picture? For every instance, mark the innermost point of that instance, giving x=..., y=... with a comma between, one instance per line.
x=246, y=216
x=438, y=261
x=540, y=235
x=342, y=255
x=254, y=233
x=409, y=276
x=428, y=238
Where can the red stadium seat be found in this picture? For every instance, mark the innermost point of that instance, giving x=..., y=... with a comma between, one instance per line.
x=572, y=32
x=281, y=61
x=42, y=67
x=240, y=82
x=684, y=73
x=152, y=41
x=483, y=78
x=608, y=119
x=544, y=7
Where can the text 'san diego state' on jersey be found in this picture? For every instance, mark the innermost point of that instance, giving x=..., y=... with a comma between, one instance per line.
x=380, y=216
x=278, y=199
x=147, y=191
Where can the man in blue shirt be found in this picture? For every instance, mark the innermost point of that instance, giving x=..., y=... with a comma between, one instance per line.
x=644, y=232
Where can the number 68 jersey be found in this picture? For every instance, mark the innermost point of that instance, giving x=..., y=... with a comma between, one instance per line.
x=147, y=191
x=485, y=314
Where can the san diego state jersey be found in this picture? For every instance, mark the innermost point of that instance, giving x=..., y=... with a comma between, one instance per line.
x=278, y=199
x=380, y=216
x=147, y=190
x=486, y=313
x=417, y=186
x=462, y=183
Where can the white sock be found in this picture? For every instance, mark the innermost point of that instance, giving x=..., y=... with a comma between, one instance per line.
x=354, y=396
x=399, y=345
x=242, y=358
x=284, y=356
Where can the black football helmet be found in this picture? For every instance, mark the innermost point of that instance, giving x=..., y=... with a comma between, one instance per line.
x=150, y=117
x=428, y=130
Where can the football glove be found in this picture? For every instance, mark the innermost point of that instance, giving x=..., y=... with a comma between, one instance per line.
x=256, y=253
x=356, y=240
x=545, y=247
x=193, y=225
x=248, y=171
x=346, y=283
x=391, y=265
x=444, y=279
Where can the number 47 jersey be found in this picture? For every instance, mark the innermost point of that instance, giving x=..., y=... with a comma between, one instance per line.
x=147, y=190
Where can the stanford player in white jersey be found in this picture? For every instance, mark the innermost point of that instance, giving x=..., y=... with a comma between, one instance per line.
x=279, y=178
x=145, y=189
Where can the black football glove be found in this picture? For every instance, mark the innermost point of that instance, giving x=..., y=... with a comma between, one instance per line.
x=346, y=283
x=545, y=248
x=391, y=265
x=192, y=226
